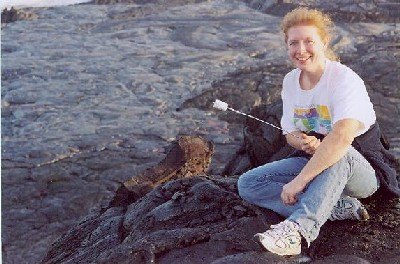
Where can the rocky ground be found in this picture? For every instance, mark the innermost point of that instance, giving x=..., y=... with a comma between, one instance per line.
x=94, y=94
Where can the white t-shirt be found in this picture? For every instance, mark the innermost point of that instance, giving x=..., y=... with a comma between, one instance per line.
x=339, y=94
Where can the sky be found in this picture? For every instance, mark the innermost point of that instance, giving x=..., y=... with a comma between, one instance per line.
x=37, y=3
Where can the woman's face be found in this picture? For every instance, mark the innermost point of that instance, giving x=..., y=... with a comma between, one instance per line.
x=306, y=49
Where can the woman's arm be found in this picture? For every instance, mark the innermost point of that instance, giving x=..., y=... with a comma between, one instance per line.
x=330, y=150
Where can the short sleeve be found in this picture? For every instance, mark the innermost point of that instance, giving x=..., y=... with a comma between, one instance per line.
x=287, y=122
x=350, y=100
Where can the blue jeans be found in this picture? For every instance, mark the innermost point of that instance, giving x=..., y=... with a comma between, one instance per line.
x=352, y=175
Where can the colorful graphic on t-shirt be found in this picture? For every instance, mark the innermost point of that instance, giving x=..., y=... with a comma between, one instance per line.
x=315, y=118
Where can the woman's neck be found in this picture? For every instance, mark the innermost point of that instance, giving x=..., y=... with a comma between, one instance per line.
x=308, y=80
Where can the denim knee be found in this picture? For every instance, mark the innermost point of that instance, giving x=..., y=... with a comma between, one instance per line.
x=244, y=186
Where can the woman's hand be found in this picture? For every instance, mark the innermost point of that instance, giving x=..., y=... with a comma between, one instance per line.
x=309, y=144
x=291, y=190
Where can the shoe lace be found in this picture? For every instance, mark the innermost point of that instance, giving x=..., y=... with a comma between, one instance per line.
x=281, y=229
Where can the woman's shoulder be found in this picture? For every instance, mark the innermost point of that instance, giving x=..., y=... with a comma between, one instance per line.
x=338, y=69
x=290, y=81
x=292, y=75
x=341, y=72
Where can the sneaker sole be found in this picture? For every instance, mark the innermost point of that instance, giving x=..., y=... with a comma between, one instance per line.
x=363, y=213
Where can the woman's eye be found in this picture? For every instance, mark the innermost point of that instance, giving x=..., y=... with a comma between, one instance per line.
x=310, y=41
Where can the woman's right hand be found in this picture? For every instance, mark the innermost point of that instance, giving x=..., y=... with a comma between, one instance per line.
x=309, y=144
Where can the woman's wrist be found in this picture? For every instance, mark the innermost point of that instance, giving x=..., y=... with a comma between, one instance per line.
x=302, y=179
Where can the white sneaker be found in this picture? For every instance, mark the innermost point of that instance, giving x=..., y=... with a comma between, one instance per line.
x=349, y=208
x=283, y=239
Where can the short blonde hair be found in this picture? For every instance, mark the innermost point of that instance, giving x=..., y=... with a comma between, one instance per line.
x=311, y=17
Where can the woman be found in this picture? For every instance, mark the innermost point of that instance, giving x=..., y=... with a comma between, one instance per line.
x=325, y=108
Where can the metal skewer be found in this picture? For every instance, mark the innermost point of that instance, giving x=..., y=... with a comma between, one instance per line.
x=224, y=106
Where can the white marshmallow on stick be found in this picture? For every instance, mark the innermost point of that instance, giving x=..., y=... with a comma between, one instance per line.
x=220, y=105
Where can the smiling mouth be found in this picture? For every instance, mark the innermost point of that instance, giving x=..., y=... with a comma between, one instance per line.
x=302, y=59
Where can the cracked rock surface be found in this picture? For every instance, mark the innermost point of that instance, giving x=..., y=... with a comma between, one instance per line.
x=201, y=219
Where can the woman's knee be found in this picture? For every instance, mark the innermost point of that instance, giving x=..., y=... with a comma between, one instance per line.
x=245, y=184
x=364, y=190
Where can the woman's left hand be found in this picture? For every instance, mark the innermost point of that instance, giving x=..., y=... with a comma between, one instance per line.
x=290, y=192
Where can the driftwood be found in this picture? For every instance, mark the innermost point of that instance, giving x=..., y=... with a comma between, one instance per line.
x=187, y=157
